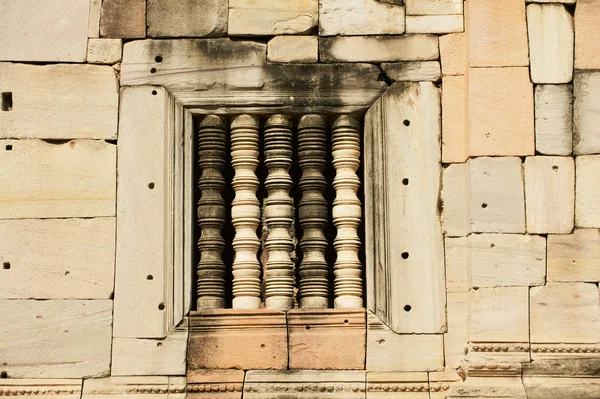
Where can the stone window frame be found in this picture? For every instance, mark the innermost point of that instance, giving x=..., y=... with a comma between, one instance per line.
x=165, y=82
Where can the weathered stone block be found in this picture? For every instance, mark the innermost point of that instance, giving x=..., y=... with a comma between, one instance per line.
x=187, y=18
x=497, y=198
x=74, y=179
x=458, y=264
x=56, y=338
x=454, y=129
x=491, y=42
x=265, y=17
x=94, y=20
x=125, y=19
x=57, y=258
x=360, y=17
x=327, y=339
x=59, y=101
x=550, y=194
x=500, y=110
x=378, y=48
x=397, y=385
x=158, y=387
x=554, y=119
x=550, y=30
x=453, y=53
x=413, y=71
x=574, y=257
x=457, y=337
x=587, y=191
x=456, y=196
x=586, y=108
x=42, y=388
x=434, y=7
x=587, y=35
x=562, y=387
x=44, y=30
x=104, y=51
x=293, y=49
x=437, y=24
x=206, y=384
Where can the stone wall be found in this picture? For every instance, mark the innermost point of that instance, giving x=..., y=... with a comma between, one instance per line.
x=92, y=91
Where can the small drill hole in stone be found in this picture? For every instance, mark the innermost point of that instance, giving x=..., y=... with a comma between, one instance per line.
x=484, y=205
x=161, y=306
x=8, y=147
x=406, y=122
x=158, y=58
x=67, y=273
x=151, y=186
x=263, y=346
x=492, y=245
x=405, y=182
x=159, y=344
x=3, y=374
x=153, y=70
x=405, y=255
x=7, y=101
x=308, y=327
x=555, y=167
x=6, y=266
x=154, y=92
x=345, y=321
x=149, y=277
x=407, y=308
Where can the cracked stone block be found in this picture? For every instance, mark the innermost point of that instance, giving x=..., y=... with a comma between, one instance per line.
x=554, y=119
x=360, y=17
x=267, y=17
x=187, y=18
x=412, y=71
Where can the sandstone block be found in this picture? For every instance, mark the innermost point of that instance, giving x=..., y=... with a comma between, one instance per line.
x=437, y=24
x=458, y=264
x=491, y=42
x=57, y=258
x=454, y=129
x=441, y=382
x=501, y=117
x=104, y=51
x=565, y=313
x=265, y=17
x=125, y=19
x=293, y=49
x=44, y=30
x=59, y=101
x=587, y=35
x=453, y=53
x=497, y=198
x=550, y=194
x=552, y=1
x=327, y=339
x=204, y=384
x=550, y=30
x=456, y=214
x=574, y=257
x=397, y=385
x=94, y=21
x=74, y=179
x=554, y=119
x=457, y=337
x=187, y=18
x=434, y=7
x=558, y=388
x=360, y=17
x=587, y=191
x=413, y=71
x=42, y=388
x=56, y=338
x=379, y=48
x=158, y=387
x=586, y=108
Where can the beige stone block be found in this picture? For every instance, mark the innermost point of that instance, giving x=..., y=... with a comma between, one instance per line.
x=293, y=49
x=379, y=48
x=104, y=51
x=552, y=1
x=265, y=17
x=587, y=191
x=497, y=197
x=437, y=24
x=457, y=337
x=360, y=17
x=441, y=382
x=567, y=313
x=453, y=53
x=155, y=387
x=187, y=18
x=57, y=258
x=550, y=194
x=56, y=338
x=59, y=101
x=550, y=30
x=559, y=388
x=42, y=388
x=390, y=351
x=497, y=33
x=456, y=213
x=554, y=119
x=484, y=387
x=458, y=264
x=586, y=111
x=454, y=130
x=206, y=384
x=500, y=315
x=44, y=30
x=413, y=71
x=434, y=7
x=587, y=35
x=500, y=111
x=94, y=19
x=397, y=385
x=125, y=19
x=331, y=339
x=73, y=179
x=574, y=257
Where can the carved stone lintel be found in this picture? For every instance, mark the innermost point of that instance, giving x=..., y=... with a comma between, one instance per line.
x=215, y=384
x=43, y=388
x=211, y=213
x=400, y=385
x=154, y=387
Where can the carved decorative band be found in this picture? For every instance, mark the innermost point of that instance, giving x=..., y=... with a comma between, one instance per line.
x=26, y=391
x=499, y=347
x=309, y=387
x=215, y=388
x=565, y=348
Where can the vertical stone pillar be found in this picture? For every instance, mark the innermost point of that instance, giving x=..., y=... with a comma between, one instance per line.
x=313, y=212
x=347, y=212
x=279, y=213
x=245, y=212
x=211, y=213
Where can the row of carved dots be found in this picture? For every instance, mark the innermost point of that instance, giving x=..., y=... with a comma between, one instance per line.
x=279, y=212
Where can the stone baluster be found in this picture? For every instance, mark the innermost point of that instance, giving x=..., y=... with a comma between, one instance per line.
x=211, y=213
x=346, y=212
x=313, y=212
x=279, y=214
x=245, y=212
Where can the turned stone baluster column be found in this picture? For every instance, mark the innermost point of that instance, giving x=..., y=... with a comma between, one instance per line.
x=279, y=213
x=211, y=213
x=346, y=212
x=245, y=212
x=313, y=212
